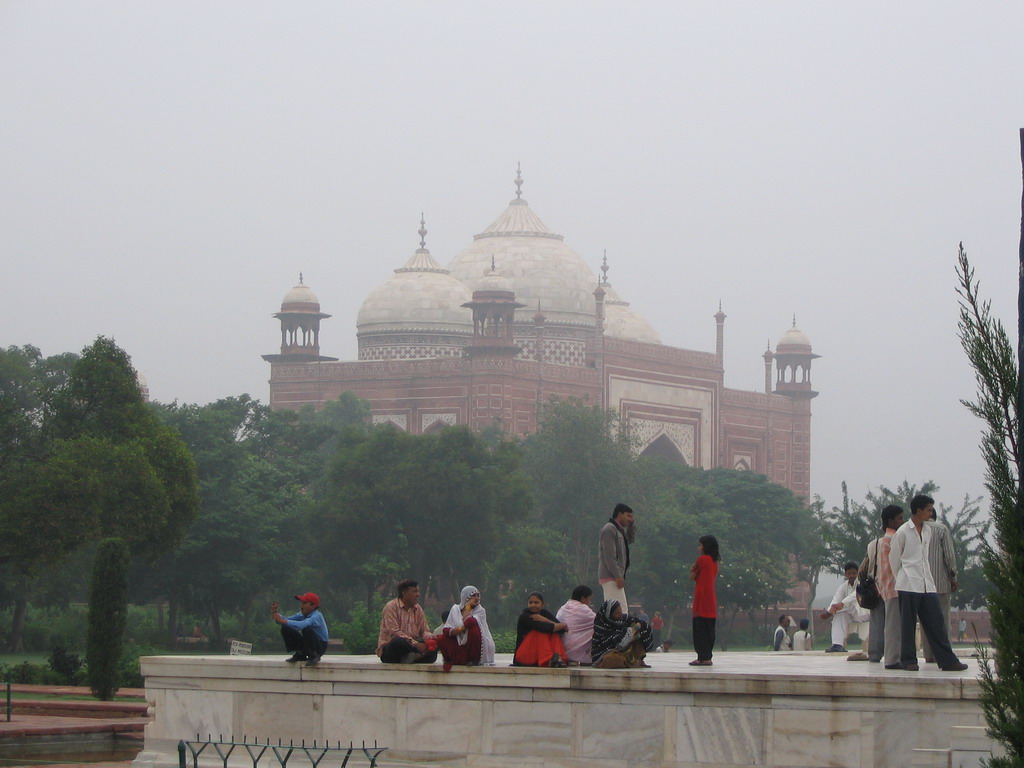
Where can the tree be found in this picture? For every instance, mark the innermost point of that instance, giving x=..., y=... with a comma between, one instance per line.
x=580, y=465
x=433, y=506
x=108, y=613
x=998, y=403
x=254, y=467
x=91, y=461
x=83, y=458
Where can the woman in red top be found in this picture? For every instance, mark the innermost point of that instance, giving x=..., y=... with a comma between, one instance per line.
x=705, y=604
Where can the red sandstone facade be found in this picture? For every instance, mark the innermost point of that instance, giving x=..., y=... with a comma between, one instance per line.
x=491, y=362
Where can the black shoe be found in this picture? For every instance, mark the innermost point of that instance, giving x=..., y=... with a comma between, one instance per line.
x=911, y=667
x=835, y=649
x=313, y=661
x=297, y=657
x=958, y=667
x=897, y=665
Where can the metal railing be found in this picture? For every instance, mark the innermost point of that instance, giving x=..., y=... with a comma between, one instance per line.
x=7, y=707
x=277, y=755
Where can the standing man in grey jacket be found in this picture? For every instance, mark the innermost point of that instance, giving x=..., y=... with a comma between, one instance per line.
x=613, y=554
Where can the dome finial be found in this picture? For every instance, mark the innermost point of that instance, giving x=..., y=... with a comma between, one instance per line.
x=493, y=267
x=300, y=278
x=604, y=267
x=519, y=181
x=423, y=232
x=794, y=319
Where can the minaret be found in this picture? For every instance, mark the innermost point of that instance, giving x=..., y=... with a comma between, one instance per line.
x=494, y=305
x=768, y=357
x=793, y=358
x=720, y=334
x=300, y=318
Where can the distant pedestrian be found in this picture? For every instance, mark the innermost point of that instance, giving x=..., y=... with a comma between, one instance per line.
x=657, y=624
x=961, y=630
x=802, y=637
x=613, y=553
x=705, y=602
x=781, y=640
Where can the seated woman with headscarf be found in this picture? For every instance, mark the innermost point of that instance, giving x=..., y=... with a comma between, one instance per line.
x=466, y=638
x=620, y=640
x=538, y=636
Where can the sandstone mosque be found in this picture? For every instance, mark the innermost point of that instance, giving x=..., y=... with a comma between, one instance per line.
x=518, y=318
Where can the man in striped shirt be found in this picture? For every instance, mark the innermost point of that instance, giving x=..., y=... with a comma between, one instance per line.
x=942, y=561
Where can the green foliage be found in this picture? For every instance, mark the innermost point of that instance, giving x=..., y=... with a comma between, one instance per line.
x=996, y=403
x=108, y=609
x=86, y=459
x=27, y=673
x=580, y=464
x=434, y=506
x=504, y=641
x=360, y=632
x=68, y=666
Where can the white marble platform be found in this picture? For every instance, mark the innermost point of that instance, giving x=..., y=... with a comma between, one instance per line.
x=762, y=709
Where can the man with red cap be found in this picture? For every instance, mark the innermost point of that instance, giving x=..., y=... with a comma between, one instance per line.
x=304, y=633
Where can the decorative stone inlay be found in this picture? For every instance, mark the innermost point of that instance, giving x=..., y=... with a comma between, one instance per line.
x=427, y=420
x=408, y=352
x=400, y=420
x=556, y=351
x=649, y=430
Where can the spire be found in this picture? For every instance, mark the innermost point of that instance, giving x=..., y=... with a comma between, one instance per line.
x=300, y=278
x=604, y=268
x=421, y=260
x=794, y=319
x=519, y=181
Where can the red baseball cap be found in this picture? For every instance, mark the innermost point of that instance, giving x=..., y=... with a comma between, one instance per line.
x=309, y=597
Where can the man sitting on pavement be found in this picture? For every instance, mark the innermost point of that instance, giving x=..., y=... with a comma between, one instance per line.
x=305, y=632
x=844, y=610
x=403, y=629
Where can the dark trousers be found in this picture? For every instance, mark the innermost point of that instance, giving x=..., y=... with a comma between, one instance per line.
x=304, y=642
x=924, y=606
x=399, y=648
x=703, y=637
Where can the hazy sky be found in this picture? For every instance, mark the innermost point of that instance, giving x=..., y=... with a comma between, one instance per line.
x=168, y=168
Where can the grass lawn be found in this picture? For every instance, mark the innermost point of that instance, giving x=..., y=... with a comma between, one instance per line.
x=13, y=659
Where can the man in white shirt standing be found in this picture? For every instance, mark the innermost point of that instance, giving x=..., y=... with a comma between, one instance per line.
x=915, y=586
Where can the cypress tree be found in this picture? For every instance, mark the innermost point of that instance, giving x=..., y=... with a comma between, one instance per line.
x=108, y=612
x=991, y=353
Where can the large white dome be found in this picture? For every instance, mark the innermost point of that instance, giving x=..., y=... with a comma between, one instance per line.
x=538, y=264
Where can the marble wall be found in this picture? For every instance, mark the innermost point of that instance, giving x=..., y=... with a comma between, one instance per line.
x=503, y=717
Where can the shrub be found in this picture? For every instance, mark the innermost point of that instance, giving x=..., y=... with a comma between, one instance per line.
x=504, y=642
x=67, y=666
x=361, y=631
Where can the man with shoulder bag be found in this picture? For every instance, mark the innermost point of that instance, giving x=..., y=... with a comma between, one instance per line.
x=884, y=634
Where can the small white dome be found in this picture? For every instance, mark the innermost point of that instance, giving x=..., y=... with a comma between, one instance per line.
x=623, y=322
x=794, y=337
x=420, y=296
x=300, y=293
